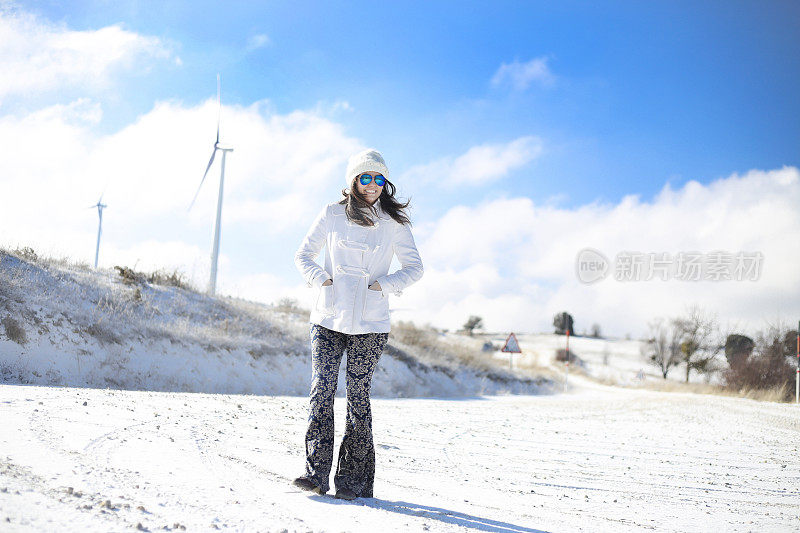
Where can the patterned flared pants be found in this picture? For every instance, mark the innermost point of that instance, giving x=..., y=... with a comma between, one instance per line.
x=356, y=463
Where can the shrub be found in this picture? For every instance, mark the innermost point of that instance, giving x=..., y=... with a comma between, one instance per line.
x=176, y=278
x=103, y=333
x=290, y=306
x=561, y=356
x=130, y=276
x=14, y=331
x=738, y=348
x=163, y=277
x=27, y=253
x=769, y=367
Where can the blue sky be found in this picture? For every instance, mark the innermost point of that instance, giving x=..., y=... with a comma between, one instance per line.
x=575, y=105
x=644, y=92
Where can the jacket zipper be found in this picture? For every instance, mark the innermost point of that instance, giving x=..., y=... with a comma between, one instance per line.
x=353, y=320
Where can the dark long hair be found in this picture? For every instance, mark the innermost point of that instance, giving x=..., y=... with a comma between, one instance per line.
x=356, y=207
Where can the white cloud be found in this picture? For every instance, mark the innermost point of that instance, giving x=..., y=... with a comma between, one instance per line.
x=148, y=255
x=267, y=287
x=508, y=260
x=277, y=214
x=479, y=165
x=513, y=262
x=283, y=169
x=37, y=56
x=258, y=41
x=520, y=76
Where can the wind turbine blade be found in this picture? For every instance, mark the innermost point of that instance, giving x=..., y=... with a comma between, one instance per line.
x=219, y=106
x=210, y=162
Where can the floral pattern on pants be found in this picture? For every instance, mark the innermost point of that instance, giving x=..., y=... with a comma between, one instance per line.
x=356, y=463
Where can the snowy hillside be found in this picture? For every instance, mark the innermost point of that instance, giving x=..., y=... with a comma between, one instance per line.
x=62, y=324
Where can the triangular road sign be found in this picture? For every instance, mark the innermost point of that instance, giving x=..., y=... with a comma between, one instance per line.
x=511, y=344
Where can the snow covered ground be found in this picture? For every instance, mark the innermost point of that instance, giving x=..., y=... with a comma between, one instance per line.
x=152, y=407
x=595, y=459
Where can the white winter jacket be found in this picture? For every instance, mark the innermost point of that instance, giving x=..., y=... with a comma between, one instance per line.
x=356, y=257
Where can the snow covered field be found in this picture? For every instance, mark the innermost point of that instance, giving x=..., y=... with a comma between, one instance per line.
x=617, y=361
x=595, y=459
x=214, y=434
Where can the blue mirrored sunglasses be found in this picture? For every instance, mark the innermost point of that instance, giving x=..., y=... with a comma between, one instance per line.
x=366, y=178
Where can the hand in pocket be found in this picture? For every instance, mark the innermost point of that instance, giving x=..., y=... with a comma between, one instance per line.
x=325, y=299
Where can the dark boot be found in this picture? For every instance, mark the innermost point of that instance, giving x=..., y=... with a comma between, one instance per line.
x=307, y=483
x=345, y=494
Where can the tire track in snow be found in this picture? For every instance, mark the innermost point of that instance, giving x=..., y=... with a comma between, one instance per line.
x=86, y=501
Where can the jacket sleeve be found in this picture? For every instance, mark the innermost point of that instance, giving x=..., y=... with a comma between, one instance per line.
x=410, y=263
x=313, y=242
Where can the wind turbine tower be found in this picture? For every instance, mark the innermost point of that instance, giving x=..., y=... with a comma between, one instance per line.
x=212, y=283
x=99, y=205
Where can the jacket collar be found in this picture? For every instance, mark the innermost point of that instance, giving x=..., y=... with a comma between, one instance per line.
x=381, y=213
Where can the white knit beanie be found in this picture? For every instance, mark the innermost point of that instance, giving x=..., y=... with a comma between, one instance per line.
x=370, y=160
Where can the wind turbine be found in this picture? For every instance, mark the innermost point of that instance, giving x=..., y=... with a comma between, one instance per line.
x=99, y=205
x=212, y=284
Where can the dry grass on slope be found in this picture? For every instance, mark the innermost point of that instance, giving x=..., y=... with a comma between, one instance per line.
x=430, y=346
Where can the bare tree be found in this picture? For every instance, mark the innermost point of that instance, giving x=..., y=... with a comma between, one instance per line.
x=663, y=346
x=699, y=340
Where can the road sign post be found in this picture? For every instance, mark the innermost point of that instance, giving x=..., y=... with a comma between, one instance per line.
x=511, y=347
x=566, y=376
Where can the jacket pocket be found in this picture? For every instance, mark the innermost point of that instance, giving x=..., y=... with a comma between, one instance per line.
x=325, y=299
x=376, y=306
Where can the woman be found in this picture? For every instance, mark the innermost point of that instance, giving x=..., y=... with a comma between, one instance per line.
x=361, y=233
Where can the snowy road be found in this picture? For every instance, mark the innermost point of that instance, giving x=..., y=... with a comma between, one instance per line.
x=599, y=459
